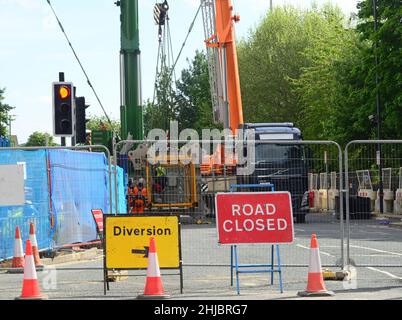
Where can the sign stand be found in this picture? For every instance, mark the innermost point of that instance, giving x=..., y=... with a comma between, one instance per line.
x=234, y=260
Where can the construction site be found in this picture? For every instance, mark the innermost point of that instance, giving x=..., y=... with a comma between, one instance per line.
x=243, y=211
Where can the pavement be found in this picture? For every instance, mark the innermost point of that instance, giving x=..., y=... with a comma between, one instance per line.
x=374, y=247
x=84, y=281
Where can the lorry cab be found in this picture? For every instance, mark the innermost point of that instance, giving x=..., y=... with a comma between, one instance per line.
x=283, y=165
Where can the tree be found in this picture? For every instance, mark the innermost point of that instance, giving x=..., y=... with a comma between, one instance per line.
x=39, y=139
x=159, y=113
x=193, y=96
x=269, y=58
x=323, y=86
x=101, y=122
x=189, y=104
x=153, y=117
x=4, y=114
x=338, y=91
x=386, y=43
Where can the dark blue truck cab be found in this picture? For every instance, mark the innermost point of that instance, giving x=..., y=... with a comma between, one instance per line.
x=283, y=165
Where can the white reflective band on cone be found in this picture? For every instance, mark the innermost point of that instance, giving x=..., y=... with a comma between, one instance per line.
x=315, y=261
x=18, y=252
x=153, y=266
x=29, y=270
x=32, y=238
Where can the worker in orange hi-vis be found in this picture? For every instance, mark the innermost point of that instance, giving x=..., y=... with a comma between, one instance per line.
x=130, y=195
x=140, y=196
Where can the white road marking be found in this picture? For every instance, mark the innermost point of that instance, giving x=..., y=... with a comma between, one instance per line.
x=300, y=230
x=321, y=252
x=377, y=250
x=385, y=272
x=381, y=233
x=375, y=255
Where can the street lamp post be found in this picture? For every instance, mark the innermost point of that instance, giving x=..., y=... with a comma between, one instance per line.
x=378, y=107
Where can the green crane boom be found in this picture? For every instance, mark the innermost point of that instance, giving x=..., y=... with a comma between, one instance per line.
x=131, y=110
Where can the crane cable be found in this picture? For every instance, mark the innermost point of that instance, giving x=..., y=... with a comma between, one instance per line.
x=181, y=49
x=82, y=68
x=165, y=56
x=185, y=40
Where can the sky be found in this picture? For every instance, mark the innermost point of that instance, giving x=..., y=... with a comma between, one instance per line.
x=33, y=50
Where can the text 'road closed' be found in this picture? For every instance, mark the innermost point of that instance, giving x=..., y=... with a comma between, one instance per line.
x=254, y=217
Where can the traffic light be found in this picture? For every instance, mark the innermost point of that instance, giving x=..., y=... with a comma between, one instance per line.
x=63, y=109
x=80, y=120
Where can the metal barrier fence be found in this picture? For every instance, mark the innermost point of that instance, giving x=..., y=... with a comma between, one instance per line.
x=188, y=188
x=60, y=187
x=373, y=237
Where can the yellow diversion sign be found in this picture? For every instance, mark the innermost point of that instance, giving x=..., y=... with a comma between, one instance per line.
x=127, y=241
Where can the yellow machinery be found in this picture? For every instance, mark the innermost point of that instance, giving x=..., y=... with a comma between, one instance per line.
x=176, y=187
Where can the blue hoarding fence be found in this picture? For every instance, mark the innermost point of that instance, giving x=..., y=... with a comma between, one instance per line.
x=61, y=188
x=4, y=142
x=36, y=207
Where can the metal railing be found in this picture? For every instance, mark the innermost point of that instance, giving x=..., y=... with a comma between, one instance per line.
x=286, y=164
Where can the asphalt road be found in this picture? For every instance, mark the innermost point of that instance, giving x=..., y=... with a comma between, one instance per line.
x=207, y=275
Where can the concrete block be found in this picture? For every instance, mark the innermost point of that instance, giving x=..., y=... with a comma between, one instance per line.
x=117, y=275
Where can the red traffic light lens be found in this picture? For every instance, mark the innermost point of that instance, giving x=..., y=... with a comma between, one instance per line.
x=64, y=92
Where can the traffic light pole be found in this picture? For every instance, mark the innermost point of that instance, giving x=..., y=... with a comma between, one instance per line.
x=131, y=113
x=73, y=138
x=63, y=139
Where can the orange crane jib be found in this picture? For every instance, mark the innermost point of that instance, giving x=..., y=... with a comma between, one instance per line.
x=226, y=39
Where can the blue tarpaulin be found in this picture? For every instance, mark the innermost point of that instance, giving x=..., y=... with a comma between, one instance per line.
x=121, y=195
x=79, y=183
x=61, y=188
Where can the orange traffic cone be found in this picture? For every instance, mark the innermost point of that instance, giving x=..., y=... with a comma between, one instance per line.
x=153, y=286
x=30, y=286
x=34, y=244
x=17, y=265
x=315, y=282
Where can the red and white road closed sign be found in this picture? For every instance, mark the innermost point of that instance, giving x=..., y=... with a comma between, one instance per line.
x=254, y=217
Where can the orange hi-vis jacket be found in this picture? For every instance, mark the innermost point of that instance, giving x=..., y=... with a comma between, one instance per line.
x=139, y=199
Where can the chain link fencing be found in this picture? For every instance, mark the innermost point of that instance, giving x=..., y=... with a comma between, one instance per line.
x=373, y=172
x=177, y=184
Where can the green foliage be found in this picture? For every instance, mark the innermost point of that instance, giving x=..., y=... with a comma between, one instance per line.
x=269, y=58
x=39, y=139
x=338, y=91
x=386, y=43
x=4, y=114
x=189, y=104
x=101, y=123
x=324, y=84
x=193, y=96
x=312, y=68
x=153, y=117
x=159, y=113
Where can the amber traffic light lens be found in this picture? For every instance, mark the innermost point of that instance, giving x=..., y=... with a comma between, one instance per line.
x=64, y=92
